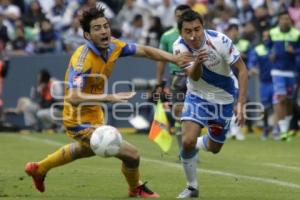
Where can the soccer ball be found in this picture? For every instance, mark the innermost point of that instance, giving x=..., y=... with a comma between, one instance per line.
x=106, y=141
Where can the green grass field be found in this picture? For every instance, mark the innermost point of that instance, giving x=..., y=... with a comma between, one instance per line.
x=247, y=170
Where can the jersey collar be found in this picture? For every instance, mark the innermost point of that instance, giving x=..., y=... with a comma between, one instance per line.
x=96, y=51
x=205, y=41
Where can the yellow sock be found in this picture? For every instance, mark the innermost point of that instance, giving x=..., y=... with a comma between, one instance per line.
x=132, y=176
x=64, y=155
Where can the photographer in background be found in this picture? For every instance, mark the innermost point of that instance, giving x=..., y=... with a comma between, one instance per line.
x=37, y=109
x=4, y=65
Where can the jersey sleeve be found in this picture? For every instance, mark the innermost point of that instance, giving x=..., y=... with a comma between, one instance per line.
x=79, y=70
x=228, y=50
x=181, y=48
x=128, y=50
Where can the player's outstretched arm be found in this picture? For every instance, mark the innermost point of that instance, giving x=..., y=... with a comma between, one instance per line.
x=160, y=55
x=243, y=82
x=77, y=97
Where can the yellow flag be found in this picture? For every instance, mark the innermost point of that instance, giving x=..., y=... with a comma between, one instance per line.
x=159, y=131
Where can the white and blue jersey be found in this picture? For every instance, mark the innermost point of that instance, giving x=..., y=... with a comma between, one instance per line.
x=217, y=82
x=209, y=101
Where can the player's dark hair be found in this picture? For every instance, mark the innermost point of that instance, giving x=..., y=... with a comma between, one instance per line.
x=137, y=17
x=44, y=76
x=232, y=26
x=189, y=16
x=182, y=7
x=89, y=15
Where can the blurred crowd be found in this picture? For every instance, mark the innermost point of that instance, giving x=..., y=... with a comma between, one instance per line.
x=51, y=26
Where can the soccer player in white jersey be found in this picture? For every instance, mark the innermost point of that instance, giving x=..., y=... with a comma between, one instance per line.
x=211, y=92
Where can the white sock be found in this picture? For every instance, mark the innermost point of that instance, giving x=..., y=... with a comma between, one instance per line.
x=190, y=170
x=283, y=125
x=202, y=143
x=288, y=120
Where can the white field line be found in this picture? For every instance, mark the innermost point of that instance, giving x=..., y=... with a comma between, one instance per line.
x=179, y=167
x=282, y=166
x=228, y=174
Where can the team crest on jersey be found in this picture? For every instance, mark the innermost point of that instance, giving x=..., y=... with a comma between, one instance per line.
x=77, y=81
x=211, y=56
x=213, y=59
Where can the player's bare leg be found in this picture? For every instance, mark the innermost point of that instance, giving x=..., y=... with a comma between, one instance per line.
x=283, y=110
x=189, y=156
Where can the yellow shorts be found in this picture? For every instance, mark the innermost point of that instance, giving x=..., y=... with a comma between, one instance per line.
x=82, y=136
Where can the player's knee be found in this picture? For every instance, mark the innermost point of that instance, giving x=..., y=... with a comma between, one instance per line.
x=133, y=159
x=215, y=150
x=188, y=144
x=77, y=151
x=135, y=154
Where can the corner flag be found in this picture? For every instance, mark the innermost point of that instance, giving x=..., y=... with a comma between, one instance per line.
x=159, y=131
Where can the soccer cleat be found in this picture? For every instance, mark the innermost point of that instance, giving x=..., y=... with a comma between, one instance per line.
x=188, y=192
x=284, y=136
x=31, y=169
x=143, y=191
x=292, y=133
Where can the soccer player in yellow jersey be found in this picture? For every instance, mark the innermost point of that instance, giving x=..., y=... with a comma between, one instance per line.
x=88, y=69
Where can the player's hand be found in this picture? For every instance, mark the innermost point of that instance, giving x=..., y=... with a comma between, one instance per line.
x=183, y=59
x=272, y=56
x=290, y=49
x=200, y=56
x=239, y=113
x=158, y=89
x=120, y=97
x=253, y=71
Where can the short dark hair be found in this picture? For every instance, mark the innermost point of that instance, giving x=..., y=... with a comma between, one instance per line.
x=182, y=7
x=137, y=17
x=232, y=26
x=89, y=15
x=189, y=16
x=44, y=76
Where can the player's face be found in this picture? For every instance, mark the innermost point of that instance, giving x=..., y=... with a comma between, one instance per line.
x=233, y=34
x=265, y=36
x=193, y=33
x=100, y=33
x=285, y=22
